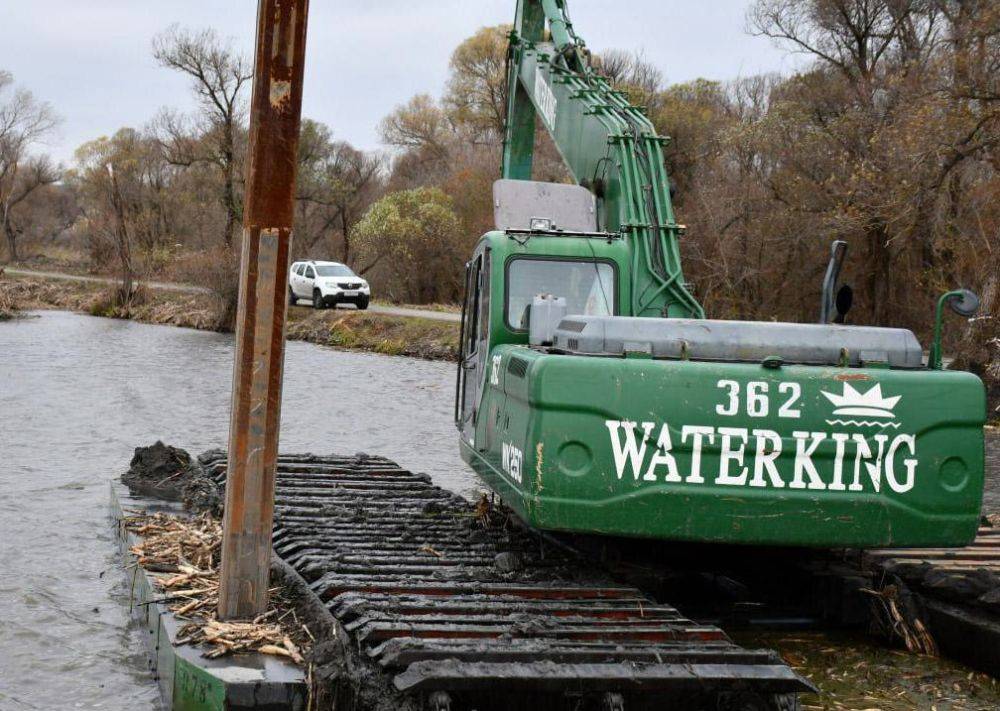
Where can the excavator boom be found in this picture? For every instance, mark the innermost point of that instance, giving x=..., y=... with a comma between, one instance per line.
x=609, y=146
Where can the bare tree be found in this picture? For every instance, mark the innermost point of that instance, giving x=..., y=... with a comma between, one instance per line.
x=218, y=75
x=419, y=125
x=631, y=72
x=477, y=87
x=47, y=215
x=853, y=36
x=123, y=239
x=23, y=122
x=336, y=184
x=112, y=182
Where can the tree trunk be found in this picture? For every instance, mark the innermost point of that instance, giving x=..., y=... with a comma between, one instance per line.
x=12, y=255
x=345, y=230
x=11, y=235
x=879, y=284
x=229, y=187
x=229, y=200
x=125, y=258
x=123, y=243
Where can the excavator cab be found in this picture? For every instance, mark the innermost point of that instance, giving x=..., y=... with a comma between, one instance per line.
x=595, y=396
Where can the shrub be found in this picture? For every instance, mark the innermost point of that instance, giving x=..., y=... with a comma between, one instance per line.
x=156, y=259
x=8, y=304
x=216, y=270
x=414, y=240
x=115, y=303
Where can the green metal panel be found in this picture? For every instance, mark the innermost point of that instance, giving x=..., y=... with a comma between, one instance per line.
x=642, y=447
x=519, y=138
x=195, y=689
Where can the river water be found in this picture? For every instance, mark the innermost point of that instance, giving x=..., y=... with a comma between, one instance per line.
x=77, y=395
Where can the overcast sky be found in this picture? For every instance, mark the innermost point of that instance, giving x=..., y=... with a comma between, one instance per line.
x=91, y=58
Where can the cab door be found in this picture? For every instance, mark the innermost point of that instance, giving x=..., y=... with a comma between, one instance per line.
x=475, y=341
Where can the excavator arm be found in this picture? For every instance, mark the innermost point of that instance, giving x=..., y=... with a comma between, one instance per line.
x=610, y=147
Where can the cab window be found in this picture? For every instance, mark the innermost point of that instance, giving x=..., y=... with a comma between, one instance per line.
x=310, y=274
x=589, y=287
x=484, y=298
x=472, y=313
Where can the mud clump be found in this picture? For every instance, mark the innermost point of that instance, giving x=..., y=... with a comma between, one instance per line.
x=202, y=494
x=166, y=472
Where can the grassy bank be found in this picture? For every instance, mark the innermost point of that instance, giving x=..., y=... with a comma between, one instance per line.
x=393, y=335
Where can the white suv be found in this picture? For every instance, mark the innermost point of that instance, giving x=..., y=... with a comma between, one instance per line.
x=327, y=284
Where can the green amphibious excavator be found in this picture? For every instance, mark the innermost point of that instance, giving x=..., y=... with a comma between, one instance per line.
x=594, y=396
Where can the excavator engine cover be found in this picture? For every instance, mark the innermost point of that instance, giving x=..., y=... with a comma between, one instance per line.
x=745, y=341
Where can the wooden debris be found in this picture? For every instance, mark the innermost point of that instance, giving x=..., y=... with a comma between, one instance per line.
x=186, y=553
x=889, y=614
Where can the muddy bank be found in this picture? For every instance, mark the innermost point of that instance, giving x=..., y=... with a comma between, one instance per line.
x=418, y=338
x=392, y=335
x=184, y=310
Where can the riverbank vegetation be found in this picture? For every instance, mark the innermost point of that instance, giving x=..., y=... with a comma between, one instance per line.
x=8, y=307
x=887, y=136
x=355, y=330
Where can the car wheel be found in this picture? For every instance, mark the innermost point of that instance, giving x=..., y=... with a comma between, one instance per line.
x=317, y=300
x=292, y=299
x=363, y=303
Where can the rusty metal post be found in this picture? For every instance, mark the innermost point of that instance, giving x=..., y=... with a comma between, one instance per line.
x=275, y=115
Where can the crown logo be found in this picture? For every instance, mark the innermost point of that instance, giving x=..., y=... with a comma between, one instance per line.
x=870, y=404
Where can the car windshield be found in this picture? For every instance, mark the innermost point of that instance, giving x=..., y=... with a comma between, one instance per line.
x=587, y=286
x=335, y=270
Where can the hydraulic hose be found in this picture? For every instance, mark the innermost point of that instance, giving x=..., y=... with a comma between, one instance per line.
x=559, y=26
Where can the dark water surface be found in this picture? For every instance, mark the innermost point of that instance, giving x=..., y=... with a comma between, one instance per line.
x=77, y=395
